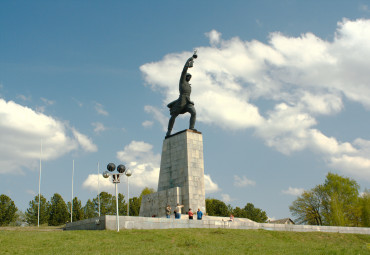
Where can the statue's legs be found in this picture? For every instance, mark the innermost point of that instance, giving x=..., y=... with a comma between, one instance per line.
x=171, y=122
x=193, y=117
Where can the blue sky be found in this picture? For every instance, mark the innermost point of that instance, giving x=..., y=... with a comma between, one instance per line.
x=281, y=89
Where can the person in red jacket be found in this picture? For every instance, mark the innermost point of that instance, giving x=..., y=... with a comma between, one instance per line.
x=190, y=213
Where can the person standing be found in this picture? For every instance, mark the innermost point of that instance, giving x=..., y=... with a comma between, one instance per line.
x=168, y=211
x=199, y=214
x=190, y=213
x=231, y=217
x=178, y=211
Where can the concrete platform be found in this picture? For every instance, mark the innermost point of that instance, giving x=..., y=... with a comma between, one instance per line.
x=108, y=222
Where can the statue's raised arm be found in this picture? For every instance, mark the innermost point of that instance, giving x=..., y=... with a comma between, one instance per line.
x=189, y=64
x=183, y=104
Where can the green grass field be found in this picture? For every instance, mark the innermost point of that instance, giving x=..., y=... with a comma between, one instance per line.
x=178, y=241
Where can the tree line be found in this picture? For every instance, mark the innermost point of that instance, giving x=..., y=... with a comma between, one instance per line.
x=57, y=212
x=217, y=207
x=336, y=202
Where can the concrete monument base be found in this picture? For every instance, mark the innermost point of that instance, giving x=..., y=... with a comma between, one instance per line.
x=181, y=177
x=109, y=222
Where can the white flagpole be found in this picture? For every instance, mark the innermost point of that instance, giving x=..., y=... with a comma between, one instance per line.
x=73, y=171
x=98, y=190
x=38, y=209
x=128, y=198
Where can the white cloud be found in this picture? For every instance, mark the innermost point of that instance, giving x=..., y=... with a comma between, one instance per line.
x=301, y=78
x=104, y=184
x=47, y=101
x=84, y=141
x=143, y=162
x=80, y=104
x=100, y=109
x=214, y=37
x=31, y=192
x=98, y=127
x=23, y=97
x=21, y=132
x=353, y=165
x=243, y=181
x=209, y=185
x=271, y=218
x=293, y=191
x=40, y=109
x=363, y=194
x=158, y=116
x=259, y=23
x=147, y=123
x=364, y=8
x=138, y=156
x=138, y=151
x=325, y=104
x=226, y=198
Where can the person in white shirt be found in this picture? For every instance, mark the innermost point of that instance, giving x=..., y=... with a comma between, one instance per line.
x=178, y=211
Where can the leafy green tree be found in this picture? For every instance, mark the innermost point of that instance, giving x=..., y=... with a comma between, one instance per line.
x=239, y=212
x=340, y=200
x=20, y=219
x=32, y=212
x=255, y=214
x=58, y=212
x=335, y=203
x=77, y=210
x=307, y=208
x=107, y=204
x=135, y=204
x=146, y=191
x=215, y=207
x=89, y=210
x=7, y=210
x=364, y=206
x=122, y=206
x=230, y=209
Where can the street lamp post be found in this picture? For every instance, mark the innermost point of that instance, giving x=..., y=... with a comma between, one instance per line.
x=116, y=179
x=128, y=174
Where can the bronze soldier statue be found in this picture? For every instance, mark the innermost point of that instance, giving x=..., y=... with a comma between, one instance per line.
x=183, y=104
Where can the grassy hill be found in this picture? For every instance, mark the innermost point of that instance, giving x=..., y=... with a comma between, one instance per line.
x=178, y=241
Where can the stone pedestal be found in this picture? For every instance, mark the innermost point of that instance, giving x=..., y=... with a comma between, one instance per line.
x=181, y=177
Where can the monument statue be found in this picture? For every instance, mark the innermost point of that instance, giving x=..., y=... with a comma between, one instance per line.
x=183, y=104
x=181, y=175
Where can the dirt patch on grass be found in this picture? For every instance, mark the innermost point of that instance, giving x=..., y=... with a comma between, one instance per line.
x=41, y=229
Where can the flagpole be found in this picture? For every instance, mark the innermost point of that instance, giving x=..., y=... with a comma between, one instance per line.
x=38, y=209
x=73, y=171
x=98, y=190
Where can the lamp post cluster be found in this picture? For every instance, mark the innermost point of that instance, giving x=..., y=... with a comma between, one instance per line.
x=121, y=169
